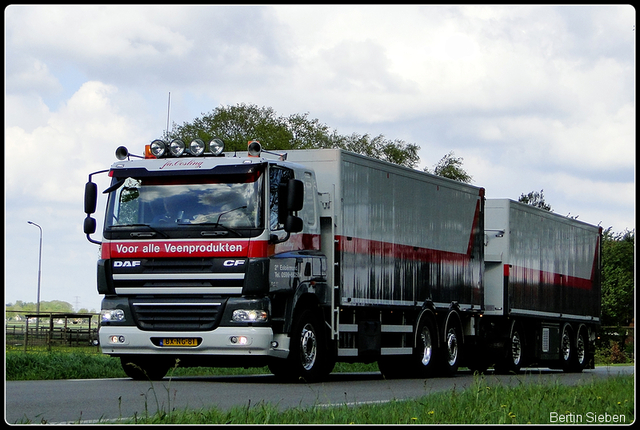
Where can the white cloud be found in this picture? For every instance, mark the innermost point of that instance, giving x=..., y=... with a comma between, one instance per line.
x=52, y=161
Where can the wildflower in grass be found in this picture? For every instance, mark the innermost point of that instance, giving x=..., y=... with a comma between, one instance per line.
x=432, y=412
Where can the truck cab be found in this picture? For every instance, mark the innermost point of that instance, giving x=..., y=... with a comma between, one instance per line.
x=205, y=258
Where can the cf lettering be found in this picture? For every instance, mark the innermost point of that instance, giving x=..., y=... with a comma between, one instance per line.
x=233, y=263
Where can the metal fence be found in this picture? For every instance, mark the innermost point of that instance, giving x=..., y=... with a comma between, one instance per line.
x=51, y=329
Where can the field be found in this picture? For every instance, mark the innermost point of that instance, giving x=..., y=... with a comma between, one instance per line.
x=607, y=401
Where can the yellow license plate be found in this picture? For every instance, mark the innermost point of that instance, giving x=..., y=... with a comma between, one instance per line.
x=179, y=342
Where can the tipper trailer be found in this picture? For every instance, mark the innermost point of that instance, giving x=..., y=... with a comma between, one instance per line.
x=303, y=259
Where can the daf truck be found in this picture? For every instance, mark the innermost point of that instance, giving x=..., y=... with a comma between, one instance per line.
x=297, y=261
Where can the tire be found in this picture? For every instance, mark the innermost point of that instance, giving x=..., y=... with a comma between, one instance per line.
x=567, y=348
x=514, y=351
x=142, y=369
x=581, y=350
x=281, y=369
x=309, y=356
x=425, y=354
x=421, y=364
x=452, y=345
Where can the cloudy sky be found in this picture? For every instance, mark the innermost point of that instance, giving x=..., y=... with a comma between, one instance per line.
x=531, y=98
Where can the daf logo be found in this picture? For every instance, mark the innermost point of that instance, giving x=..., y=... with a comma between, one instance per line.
x=126, y=263
x=233, y=263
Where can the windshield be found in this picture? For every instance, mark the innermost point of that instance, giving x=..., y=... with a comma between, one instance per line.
x=180, y=202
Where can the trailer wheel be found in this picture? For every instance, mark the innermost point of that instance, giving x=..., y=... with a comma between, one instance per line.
x=452, y=347
x=567, y=348
x=581, y=350
x=514, y=351
x=142, y=369
x=308, y=354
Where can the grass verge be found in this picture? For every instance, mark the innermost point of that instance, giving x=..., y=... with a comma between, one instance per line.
x=607, y=401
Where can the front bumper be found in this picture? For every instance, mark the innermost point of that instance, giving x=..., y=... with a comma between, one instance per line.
x=223, y=341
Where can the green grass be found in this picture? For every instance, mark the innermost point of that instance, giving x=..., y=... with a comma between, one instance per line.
x=90, y=363
x=548, y=403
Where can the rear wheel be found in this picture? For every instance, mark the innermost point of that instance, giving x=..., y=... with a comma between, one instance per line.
x=452, y=347
x=514, y=351
x=567, y=348
x=421, y=364
x=581, y=350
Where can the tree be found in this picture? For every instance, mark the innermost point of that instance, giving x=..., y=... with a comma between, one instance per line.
x=450, y=167
x=236, y=125
x=396, y=151
x=536, y=199
x=617, y=277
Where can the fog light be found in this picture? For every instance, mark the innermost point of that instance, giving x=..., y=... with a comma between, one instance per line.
x=116, y=339
x=239, y=340
x=249, y=315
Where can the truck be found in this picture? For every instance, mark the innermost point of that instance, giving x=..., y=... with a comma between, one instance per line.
x=300, y=260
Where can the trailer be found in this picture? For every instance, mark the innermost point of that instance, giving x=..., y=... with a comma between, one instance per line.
x=300, y=260
x=542, y=287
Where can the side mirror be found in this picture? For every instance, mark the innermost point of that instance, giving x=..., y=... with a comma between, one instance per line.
x=295, y=195
x=90, y=197
x=293, y=224
x=89, y=225
x=290, y=198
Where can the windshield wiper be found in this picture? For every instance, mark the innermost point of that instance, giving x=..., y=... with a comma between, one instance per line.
x=142, y=234
x=217, y=223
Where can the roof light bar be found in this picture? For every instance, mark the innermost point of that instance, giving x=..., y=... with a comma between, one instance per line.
x=177, y=148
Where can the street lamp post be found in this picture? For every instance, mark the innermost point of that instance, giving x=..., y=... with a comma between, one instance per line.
x=39, y=275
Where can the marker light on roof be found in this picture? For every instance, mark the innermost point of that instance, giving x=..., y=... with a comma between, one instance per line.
x=177, y=148
x=216, y=146
x=196, y=147
x=158, y=148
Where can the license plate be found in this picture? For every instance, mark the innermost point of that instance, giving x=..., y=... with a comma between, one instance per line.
x=179, y=342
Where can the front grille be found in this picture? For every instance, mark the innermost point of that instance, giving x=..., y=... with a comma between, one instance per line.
x=177, y=314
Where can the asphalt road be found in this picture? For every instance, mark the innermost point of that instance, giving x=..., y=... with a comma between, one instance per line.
x=89, y=400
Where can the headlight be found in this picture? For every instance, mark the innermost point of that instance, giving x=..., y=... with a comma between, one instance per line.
x=108, y=315
x=216, y=146
x=177, y=147
x=196, y=147
x=249, y=315
x=158, y=148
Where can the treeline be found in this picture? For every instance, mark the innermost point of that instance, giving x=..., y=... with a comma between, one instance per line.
x=21, y=308
x=235, y=125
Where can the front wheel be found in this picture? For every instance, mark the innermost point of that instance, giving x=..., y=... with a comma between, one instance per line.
x=142, y=369
x=309, y=355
